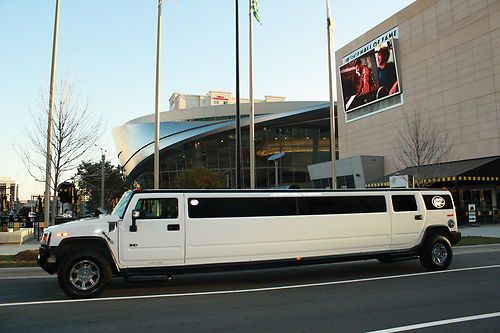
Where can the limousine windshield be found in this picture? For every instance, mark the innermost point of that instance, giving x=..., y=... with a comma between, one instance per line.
x=122, y=204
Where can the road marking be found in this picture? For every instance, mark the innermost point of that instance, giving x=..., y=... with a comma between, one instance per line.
x=438, y=323
x=241, y=291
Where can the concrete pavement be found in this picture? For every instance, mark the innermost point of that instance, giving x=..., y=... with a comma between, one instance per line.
x=485, y=230
x=11, y=249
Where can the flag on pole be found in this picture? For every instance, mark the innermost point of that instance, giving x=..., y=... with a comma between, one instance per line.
x=255, y=10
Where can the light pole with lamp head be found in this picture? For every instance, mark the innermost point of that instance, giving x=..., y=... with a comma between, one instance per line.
x=275, y=158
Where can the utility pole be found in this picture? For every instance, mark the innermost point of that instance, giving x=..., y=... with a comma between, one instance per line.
x=239, y=178
x=331, y=27
x=48, y=161
x=252, y=104
x=157, y=104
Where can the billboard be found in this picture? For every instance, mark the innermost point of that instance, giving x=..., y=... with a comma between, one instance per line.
x=370, y=77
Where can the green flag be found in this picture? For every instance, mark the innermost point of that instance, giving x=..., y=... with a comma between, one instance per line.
x=255, y=10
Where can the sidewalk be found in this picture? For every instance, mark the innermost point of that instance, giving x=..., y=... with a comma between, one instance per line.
x=11, y=249
x=485, y=230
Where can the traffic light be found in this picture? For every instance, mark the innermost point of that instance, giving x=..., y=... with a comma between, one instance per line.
x=63, y=192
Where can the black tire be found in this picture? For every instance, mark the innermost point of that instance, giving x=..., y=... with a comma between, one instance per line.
x=84, y=275
x=436, y=253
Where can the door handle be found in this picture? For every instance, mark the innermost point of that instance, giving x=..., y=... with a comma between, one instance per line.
x=173, y=227
x=418, y=218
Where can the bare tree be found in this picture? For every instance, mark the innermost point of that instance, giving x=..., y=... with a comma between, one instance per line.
x=75, y=133
x=420, y=143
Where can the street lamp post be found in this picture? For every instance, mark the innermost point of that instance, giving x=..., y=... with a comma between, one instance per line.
x=156, y=168
x=331, y=27
x=252, y=104
x=239, y=177
x=48, y=161
x=275, y=158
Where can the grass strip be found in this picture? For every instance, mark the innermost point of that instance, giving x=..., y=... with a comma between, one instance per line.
x=9, y=261
x=477, y=240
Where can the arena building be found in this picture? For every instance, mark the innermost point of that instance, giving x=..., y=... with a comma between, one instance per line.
x=205, y=137
x=436, y=62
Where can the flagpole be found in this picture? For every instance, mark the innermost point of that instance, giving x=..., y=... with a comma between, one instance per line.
x=252, y=106
x=331, y=27
x=238, y=124
x=48, y=162
x=157, y=104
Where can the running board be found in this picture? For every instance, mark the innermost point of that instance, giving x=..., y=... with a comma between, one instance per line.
x=147, y=277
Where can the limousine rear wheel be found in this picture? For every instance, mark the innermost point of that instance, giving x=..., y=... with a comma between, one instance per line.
x=83, y=275
x=436, y=253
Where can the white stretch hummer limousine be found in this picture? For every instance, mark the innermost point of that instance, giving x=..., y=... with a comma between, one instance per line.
x=178, y=231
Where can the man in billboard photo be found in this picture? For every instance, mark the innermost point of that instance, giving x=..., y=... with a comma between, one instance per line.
x=387, y=76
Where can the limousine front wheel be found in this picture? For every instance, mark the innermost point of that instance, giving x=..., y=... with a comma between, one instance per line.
x=436, y=253
x=84, y=274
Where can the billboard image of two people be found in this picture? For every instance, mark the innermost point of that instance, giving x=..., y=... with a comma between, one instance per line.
x=370, y=77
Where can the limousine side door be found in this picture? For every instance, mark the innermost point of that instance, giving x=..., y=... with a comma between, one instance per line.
x=158, y=238
x=407, y=219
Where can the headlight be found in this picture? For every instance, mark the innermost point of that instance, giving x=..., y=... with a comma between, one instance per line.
x=45, y=238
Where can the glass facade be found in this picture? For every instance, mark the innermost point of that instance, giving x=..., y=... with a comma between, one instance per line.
x=303, y=144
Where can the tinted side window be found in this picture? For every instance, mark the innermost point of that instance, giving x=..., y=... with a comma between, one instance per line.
x=404, y=203
x=433, y=202
x=284, y=206
x=342, y=205
x=241, y=207
x=158, y=208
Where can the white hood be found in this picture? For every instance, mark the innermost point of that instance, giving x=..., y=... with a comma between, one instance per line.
x=87, y=227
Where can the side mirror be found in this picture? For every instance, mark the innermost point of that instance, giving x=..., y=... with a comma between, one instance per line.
x=135, y=215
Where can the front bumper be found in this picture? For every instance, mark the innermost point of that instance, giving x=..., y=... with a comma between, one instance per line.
x=47, y=258
x=456, y=236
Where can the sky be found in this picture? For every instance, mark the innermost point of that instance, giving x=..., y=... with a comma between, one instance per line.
x=108, y=50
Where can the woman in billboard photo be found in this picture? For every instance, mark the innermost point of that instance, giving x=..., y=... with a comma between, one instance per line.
x=367, y=83
x=387, y=76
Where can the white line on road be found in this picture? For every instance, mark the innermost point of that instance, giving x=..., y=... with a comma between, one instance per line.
x=241, y=291
x=438, y=323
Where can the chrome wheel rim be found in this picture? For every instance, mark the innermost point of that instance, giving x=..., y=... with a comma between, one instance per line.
x=84, y=275
x=439, y=254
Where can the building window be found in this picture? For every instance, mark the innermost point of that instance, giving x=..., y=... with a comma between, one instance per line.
x=346, y=182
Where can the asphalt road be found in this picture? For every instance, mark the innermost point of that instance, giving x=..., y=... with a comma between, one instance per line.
x=349, y=297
